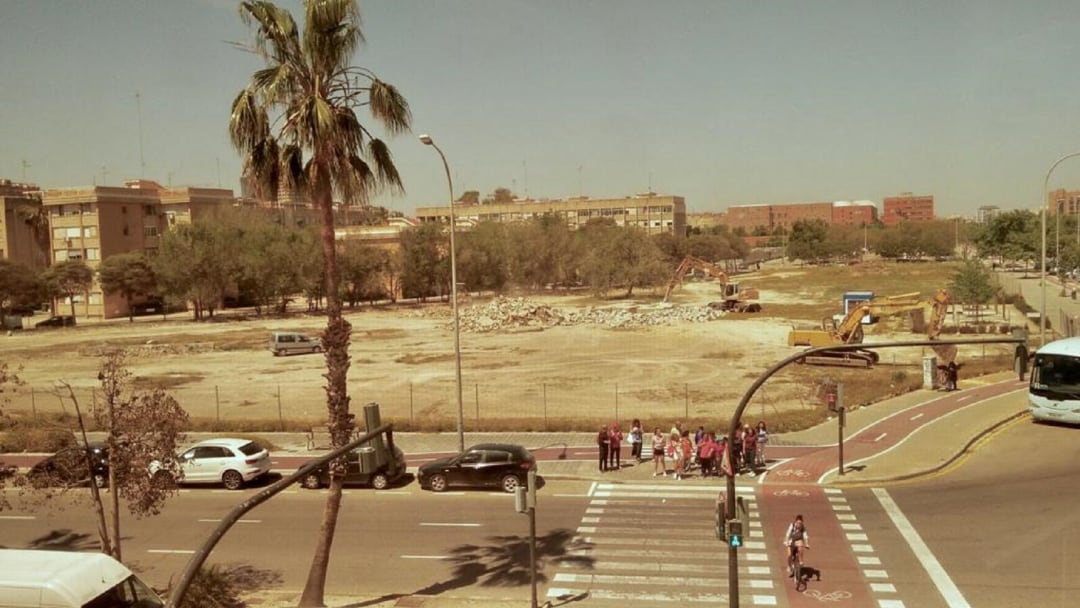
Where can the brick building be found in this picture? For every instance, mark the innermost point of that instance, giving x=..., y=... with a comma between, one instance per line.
x=751, y=218
x=907, y=207
x=1065, y=202
x=23, y=232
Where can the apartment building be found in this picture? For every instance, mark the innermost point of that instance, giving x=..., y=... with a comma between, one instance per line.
x=93, y=223
x=651, y=212
x=987, y=213
x=907, y=207
x=1065, y=202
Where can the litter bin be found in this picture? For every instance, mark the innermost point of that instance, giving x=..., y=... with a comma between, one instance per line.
x=368, y=462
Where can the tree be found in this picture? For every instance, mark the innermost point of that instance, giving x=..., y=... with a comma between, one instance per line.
x=500, y=196
x=199, y=262
x=9, y=382
x=303, y=103
x=1013, y=235
x=808, y=240
x=972, y=283
x=68, y=279
x=543, y=252
x=469, y=197
x=421, y=261
x=129, y=274
x=364, y=272
x=622, y=257
x=482, y=257
x=19, y=286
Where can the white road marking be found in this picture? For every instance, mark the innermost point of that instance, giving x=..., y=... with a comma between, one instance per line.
x=917, y=416
x=862, y=548
x=425, y=557
x=890, y=604
x=875, y=574
x=448, y=525
x=621, y=579
x=880, y=437
x=181, y=551
x=853, y=536
x=239, y=521
x=964, y=398
x=851, y=526
x=667, y=598
x=592, y=488
x=868, y=560
x=883, y=587
x=17, y=517
x=570, y=495
x=949, y=591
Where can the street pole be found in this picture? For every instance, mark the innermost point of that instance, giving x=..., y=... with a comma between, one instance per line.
x=1045, y=205
x=427, y=140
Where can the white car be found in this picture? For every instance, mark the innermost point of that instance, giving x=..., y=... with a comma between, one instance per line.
x=230, y=462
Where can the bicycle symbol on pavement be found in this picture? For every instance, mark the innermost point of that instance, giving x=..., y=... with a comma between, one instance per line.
x=834, y=596
x=791, y=493
x=791, y=473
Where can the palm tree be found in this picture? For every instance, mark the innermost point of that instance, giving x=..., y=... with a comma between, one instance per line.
x=296, y=126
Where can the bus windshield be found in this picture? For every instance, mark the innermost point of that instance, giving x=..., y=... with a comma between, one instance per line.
x=1056, y=376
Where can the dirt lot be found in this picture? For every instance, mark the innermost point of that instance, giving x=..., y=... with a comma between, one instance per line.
x=403, y=358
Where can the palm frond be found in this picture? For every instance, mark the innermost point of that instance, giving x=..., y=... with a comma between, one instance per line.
x=247, y=122
x=389, y=107
x=384, y=165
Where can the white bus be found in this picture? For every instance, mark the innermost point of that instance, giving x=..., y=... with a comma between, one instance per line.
x=1054, y=391
x=69, y=579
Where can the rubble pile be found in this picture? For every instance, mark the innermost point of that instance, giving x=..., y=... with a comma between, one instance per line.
x=505, y=313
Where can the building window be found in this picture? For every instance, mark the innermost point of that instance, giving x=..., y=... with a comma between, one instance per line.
x=150, y=231
x=60, y=255
x=95, y=298
x=85, y=209
x=125, y=230
x=89, y=231
x=74, y=254
x=92, y=253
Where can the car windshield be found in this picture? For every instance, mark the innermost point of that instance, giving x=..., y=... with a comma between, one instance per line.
x=250, y=449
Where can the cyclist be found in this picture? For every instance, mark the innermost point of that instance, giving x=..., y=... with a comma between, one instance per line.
x=796, y=539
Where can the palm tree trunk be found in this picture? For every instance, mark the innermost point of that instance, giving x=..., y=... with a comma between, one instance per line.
x=336, y=345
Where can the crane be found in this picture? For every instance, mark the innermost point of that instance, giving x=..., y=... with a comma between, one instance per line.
x=849, y=330
x=733, y=298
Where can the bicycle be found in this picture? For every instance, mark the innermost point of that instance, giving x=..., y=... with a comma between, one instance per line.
x=795, y=566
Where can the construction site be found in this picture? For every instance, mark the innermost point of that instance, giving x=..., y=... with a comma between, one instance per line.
x=688, y=350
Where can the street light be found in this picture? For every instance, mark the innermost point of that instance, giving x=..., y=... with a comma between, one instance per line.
x=1046, y=202
x=426, y=139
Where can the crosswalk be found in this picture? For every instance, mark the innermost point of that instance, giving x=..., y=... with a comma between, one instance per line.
x=655, y=544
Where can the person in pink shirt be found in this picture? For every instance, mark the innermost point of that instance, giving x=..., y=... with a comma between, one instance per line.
x=707, y=450
x=750, y=449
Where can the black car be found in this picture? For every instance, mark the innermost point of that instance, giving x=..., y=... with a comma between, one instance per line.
x=501, y=465
x=68, y=467
x=61, y=321
x=362, y=467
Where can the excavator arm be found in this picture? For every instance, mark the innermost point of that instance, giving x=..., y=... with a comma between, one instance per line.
x=693, y=263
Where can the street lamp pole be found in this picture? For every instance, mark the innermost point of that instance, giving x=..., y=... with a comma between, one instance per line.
x=1046, y=204
x=426, y=139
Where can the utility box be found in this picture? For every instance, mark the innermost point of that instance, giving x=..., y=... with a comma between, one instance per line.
x=929, y=372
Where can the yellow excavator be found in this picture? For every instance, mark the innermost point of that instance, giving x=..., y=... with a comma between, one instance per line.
x=732, y=298
x=849, y=330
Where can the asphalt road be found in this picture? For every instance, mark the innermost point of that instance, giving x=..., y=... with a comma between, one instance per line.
x=995, y=530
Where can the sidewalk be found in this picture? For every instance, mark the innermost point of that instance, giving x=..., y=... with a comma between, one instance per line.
x=925, y=451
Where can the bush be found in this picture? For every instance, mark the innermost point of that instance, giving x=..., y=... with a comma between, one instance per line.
x=33, y=439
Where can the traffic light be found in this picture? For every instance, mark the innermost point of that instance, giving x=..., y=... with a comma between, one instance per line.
x=735, y=533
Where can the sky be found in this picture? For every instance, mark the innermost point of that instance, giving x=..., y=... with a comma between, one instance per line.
x=721, y=102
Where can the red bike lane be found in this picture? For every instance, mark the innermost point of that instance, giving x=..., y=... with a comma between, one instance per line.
x=791, y=488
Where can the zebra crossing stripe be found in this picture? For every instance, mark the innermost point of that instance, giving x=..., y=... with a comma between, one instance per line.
x=656, y=598
x=624, y=579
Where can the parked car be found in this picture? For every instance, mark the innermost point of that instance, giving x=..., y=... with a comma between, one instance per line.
x=288, y=342
x=228, y=461
x=501, y=465
x=362, y=467
x=68, y=467
x=59, y=321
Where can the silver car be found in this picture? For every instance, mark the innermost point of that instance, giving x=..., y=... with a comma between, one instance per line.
x=230, y=462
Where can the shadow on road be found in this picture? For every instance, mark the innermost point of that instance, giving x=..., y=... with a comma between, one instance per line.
x=503, y=562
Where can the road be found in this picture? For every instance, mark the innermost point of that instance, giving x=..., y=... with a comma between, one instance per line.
x=993, y=530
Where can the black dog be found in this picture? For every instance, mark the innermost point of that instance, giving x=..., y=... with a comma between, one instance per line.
x=809, y=572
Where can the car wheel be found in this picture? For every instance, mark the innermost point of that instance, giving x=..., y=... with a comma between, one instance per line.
x=317, y=349
x=380, y=481
x=101, y=480
x=437, y=483
x=279, y=352
x=510, y=483
x=232, y=480
x=311, y=481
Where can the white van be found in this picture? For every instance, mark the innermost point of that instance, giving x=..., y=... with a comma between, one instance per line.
x=68, y=579
x=289, y=342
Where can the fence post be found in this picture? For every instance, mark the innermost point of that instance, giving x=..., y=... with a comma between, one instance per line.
x=545, y=405
x=281, y=419
x=616, y=401
x=217, y=404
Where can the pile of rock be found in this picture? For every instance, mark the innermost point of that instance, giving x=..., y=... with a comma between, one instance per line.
x=505, y=313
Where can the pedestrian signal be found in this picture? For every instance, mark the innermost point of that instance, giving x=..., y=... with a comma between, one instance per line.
x=735, y=532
